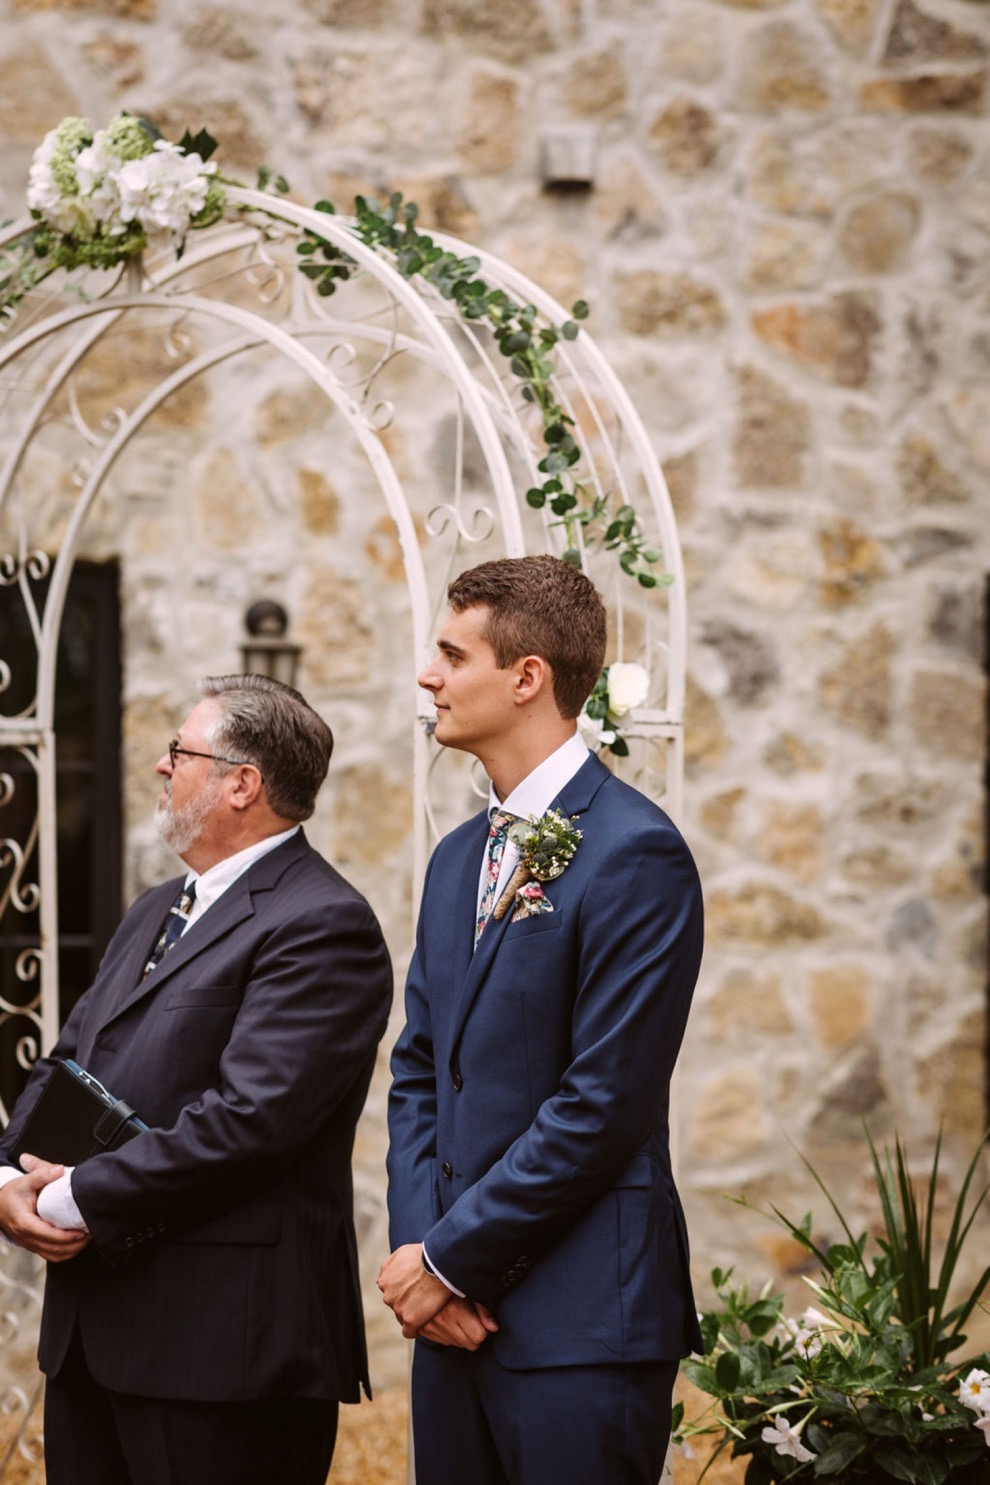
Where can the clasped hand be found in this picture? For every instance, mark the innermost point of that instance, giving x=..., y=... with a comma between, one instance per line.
x=19, y=1214
x=425, y=1307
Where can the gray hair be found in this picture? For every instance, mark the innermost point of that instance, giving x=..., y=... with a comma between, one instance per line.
x=272, y=726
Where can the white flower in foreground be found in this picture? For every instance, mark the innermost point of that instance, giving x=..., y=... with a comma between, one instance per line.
x=787, y=1440
x=974, y=1391
x=627, y=687
x=983, y=1424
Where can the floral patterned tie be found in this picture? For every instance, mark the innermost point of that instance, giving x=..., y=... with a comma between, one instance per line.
x=497, y=835
x=174, y=927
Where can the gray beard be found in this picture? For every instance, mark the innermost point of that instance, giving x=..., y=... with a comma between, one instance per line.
x=181, y=828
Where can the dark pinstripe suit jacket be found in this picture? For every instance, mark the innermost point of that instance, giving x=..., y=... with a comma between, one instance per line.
x=223, y=1263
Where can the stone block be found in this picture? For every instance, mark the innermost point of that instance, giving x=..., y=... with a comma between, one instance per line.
x=651, y=302
x=366, y=14
x=218, y=31
x=785, y=255
x=596, y=84
x=853, y=23
x=514, y=30
x=851, y=562
x=748, y=1003
x=781, y=69
x=121, y=62
x=790, y=838
x=833, y=339
x=704, y=730
x=728, y=1121
x=773, y=433
x=940, y=158
x=952, y=1079
x=488, y=136
x=859, y=689
x=839, y=1002
x=318, y=503
x=33, y=95
x=719, y=813
x=693, y=53
x=761, y=915
x=948, y=713
x=927, y=92
x=878, y=235
x=924, y=477
x=789, y=754
x=749, y=659
x=915, y=36
x=968, y=411
x=686, y=137
x=134, y=10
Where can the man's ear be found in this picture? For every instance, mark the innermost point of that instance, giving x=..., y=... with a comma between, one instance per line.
x=533, y=678
x=245, y=786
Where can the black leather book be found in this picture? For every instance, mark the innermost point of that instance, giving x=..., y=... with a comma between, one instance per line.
x=75, y=1117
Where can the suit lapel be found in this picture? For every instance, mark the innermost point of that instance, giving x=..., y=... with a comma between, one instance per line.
x=574, y=799
x=232, y=908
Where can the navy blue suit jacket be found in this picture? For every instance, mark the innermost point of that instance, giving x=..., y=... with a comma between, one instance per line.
x=529, y=1107
x=223, y=1263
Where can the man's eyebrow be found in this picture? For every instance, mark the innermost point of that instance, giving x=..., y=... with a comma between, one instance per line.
x=449, y=648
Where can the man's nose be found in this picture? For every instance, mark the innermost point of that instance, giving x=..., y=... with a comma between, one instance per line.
x=428, y=679
x=164, y=765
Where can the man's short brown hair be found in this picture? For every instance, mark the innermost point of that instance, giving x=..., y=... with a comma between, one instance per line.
x=540, y=606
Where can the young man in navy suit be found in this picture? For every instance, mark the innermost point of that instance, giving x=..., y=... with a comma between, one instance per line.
x=202, y=1316
x=539, y=1251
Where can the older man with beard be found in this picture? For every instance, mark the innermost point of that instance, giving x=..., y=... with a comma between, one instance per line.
x=202, y=1316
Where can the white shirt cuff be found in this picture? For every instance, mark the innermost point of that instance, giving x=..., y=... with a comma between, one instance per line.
x=437, y=1274
x=57, y=1205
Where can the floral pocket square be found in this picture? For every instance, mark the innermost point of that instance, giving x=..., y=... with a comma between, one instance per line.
x=530, y=900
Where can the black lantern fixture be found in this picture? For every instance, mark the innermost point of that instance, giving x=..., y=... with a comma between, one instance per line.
x=268, y=652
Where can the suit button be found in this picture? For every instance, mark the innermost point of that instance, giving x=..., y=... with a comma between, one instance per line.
x=447, y=1169
x=458, y=1082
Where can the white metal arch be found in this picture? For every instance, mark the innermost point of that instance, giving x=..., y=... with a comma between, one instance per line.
x=343, y=347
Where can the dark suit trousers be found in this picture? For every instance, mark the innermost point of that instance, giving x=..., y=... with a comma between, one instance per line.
x=97, y=1437
x=474, y=1420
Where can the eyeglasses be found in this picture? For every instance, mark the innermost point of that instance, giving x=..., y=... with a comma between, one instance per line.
x=174, y=751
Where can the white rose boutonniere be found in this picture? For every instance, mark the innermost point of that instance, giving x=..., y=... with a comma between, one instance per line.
x=546, y=846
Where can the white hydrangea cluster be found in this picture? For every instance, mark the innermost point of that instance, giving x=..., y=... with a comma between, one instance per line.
x=106, y=195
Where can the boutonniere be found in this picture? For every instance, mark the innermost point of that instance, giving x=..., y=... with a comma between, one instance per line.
x=546, y=846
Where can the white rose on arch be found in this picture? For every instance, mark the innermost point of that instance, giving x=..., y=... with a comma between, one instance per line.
x=627, y=687
x=620, y=688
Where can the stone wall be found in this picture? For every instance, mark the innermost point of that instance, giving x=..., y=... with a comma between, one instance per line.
x=785, y=247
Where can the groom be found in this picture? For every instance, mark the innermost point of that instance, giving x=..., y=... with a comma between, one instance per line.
x=540, y=1255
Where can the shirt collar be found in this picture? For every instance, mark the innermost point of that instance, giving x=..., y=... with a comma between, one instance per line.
x=214, y=882
x=537, y=791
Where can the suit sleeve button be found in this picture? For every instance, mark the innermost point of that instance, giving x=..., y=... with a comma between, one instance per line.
x=447, y=1169
x=458, y=1082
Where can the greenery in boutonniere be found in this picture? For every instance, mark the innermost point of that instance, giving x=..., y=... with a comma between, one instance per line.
x=619, y=690
x=864, y=1388
x=545, y=845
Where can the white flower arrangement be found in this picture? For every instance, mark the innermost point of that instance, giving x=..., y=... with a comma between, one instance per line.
x=101, y=197
x=620, y=688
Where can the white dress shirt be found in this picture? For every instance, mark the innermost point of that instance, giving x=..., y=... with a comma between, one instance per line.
x=56, y=1203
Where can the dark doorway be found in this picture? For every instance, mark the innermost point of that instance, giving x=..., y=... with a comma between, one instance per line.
x=89, y=845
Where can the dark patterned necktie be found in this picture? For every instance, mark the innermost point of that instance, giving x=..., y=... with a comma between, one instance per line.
x=497, y=835
x=173, y=928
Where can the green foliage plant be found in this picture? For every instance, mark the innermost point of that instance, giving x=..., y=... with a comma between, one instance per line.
x=529, y=348
x=866, y=1388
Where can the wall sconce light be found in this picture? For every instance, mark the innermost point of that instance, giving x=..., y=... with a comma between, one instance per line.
x=268, y=652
